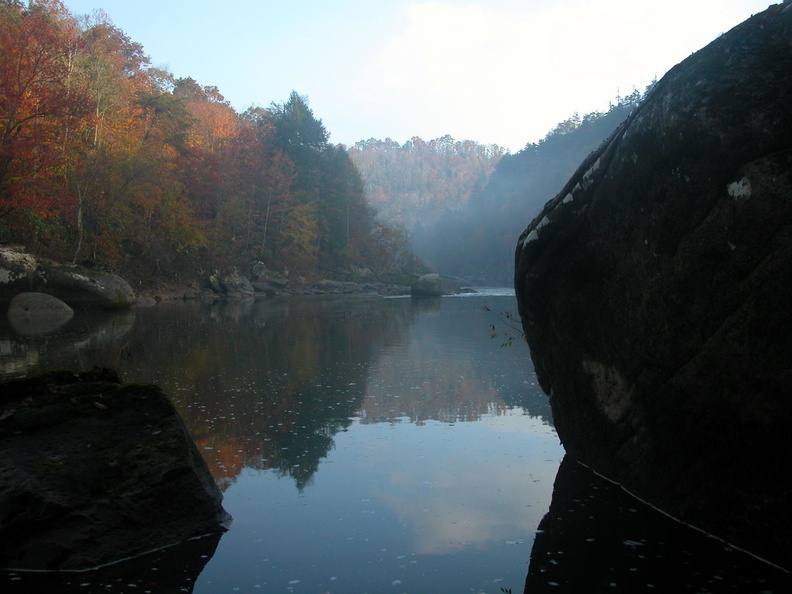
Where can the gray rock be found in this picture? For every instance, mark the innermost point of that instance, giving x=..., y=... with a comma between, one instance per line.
x=428, y=285
x=329, y=286
x=434, y=285
x=37, y=313
x=93, y=471
x=259, y=272
x=394, y=290
x=655, y=293
x=75, y=285
x=263, y=287
x=215, y=284
x=16, y=270
x=234, y=284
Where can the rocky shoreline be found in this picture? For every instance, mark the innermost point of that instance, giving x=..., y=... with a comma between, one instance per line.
x=268, y=284
x=91, y=286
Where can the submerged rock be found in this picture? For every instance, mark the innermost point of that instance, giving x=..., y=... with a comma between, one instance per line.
x=37, y=313
x=655, y=293
x=93, y=471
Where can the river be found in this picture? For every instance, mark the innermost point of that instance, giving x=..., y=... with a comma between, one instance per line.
x=369, y=444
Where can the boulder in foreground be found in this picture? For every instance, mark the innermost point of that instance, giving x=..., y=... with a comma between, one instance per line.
x=93, y=471
x=655, y=293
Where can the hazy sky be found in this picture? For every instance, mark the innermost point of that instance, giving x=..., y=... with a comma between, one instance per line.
x=494, y=71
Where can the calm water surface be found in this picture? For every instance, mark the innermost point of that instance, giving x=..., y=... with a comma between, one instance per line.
x=374, y=445
x=363, y=444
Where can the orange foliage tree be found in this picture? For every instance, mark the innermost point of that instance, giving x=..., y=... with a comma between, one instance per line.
x=106, y=159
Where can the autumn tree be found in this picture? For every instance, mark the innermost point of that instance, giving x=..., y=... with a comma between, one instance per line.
x=39, y=104
x=104, y=158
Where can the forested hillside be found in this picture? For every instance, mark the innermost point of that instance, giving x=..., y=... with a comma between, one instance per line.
x=104, y=158
x=414, y=184
x=477, y=241
x=463, y=204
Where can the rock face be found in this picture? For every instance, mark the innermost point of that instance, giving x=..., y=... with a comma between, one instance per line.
x=93, y=471
x=76, y=285
x=655, y=293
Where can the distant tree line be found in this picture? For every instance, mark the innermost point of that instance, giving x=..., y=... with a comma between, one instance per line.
x=105, y=158
x=465, y=204
x=414, y=184
x=478, y=241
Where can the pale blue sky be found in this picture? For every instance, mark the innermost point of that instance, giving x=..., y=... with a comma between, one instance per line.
x=494, y=71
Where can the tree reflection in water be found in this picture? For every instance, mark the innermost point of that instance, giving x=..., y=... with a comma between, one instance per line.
x=268, y=387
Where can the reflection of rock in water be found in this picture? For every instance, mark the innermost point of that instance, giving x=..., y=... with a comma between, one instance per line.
x=37, y=313
x=90, y=338
x=427, y=305
x=598, y=538
x=173, y=569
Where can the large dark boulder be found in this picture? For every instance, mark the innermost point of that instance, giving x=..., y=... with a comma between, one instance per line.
x=93, y=471
x=656, y=293
x=78, y=286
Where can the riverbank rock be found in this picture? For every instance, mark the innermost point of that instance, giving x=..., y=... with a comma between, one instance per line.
x=259, y=272
x=78, y=286
x=37, y=313
x=434, y=285
x=81, y=286
x=654, y=291
x=93, y=471
x=236, y=285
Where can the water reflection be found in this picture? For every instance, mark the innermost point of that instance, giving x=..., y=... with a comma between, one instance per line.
x=88, y=339
x=372, y=445
x=399, y=425
x=597, y=538
x=172, y=569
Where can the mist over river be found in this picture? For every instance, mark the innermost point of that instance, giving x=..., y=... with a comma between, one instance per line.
x=363, y=445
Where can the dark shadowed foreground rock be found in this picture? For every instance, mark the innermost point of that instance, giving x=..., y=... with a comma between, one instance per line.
x=656, y=293
x=597, y=538
x=93, y=471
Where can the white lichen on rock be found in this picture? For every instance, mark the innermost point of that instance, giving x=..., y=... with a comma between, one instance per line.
x=532, y=236
x=592, y=170
x=740, y=189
